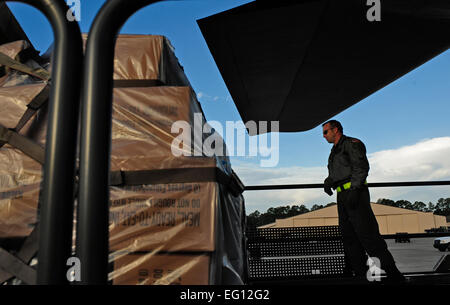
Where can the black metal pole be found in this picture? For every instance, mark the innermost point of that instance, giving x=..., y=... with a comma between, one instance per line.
x=56, y=212
x=93, y=216
x=320, y=185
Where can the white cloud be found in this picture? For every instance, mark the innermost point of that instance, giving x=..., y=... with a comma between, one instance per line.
x=427, y=160
x=424, y=161
x=209, y=98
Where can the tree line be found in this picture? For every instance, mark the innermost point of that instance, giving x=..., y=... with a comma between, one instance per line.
x=256, y=219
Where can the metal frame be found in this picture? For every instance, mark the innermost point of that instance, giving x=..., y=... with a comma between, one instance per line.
x=288, y=255
x=93, y=198
x=280, y=242
x=320, y=185
x=56, y=213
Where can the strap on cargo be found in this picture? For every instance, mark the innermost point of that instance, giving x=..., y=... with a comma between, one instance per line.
x=22, y=143
x=126, y=83
x=25, y=254
x=17, y=267
x=178, y=175
x=40, y=73
x=38, y=101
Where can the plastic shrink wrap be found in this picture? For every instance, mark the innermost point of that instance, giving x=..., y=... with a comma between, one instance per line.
x=176, y=209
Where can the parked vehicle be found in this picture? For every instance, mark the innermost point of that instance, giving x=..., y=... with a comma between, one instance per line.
x=442, y=243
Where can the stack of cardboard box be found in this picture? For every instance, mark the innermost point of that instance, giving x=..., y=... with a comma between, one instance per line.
x=20, y=175
x=168, y=232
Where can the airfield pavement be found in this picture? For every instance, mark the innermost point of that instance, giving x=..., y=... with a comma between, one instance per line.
x=418, y=255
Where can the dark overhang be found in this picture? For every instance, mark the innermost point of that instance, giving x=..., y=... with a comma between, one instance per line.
x=10, y=29
x=303, y=62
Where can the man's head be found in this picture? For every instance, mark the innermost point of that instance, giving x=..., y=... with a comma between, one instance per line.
x=332, y=131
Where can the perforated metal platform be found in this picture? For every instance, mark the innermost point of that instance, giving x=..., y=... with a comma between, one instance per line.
x=294, y=233
x=303, y=252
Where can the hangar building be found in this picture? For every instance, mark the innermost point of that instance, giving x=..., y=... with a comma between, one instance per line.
x=390, y=219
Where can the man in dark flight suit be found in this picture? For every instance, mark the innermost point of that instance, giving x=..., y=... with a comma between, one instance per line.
x=348, y=168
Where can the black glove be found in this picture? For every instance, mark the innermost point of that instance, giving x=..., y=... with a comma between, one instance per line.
x=327, y=186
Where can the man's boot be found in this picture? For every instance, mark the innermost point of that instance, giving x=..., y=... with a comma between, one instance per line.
x=394, y=276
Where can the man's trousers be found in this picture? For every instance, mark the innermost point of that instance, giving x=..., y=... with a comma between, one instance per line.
x=360, y=232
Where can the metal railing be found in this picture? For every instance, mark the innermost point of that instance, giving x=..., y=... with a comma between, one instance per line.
x=93, y=198
x=57, y=209
x=56, y=213
x=370, y=185
x=288, y=242
x=320, y=185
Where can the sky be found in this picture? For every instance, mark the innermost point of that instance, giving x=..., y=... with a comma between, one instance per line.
x=405, y=125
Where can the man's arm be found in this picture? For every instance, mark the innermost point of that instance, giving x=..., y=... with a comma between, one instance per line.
x=358, y=162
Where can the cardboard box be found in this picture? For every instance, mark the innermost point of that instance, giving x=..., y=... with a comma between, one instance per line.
x=163, y=217
x=146, y=57
x=141, y=129
x=161, y=269
x=20, y=178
